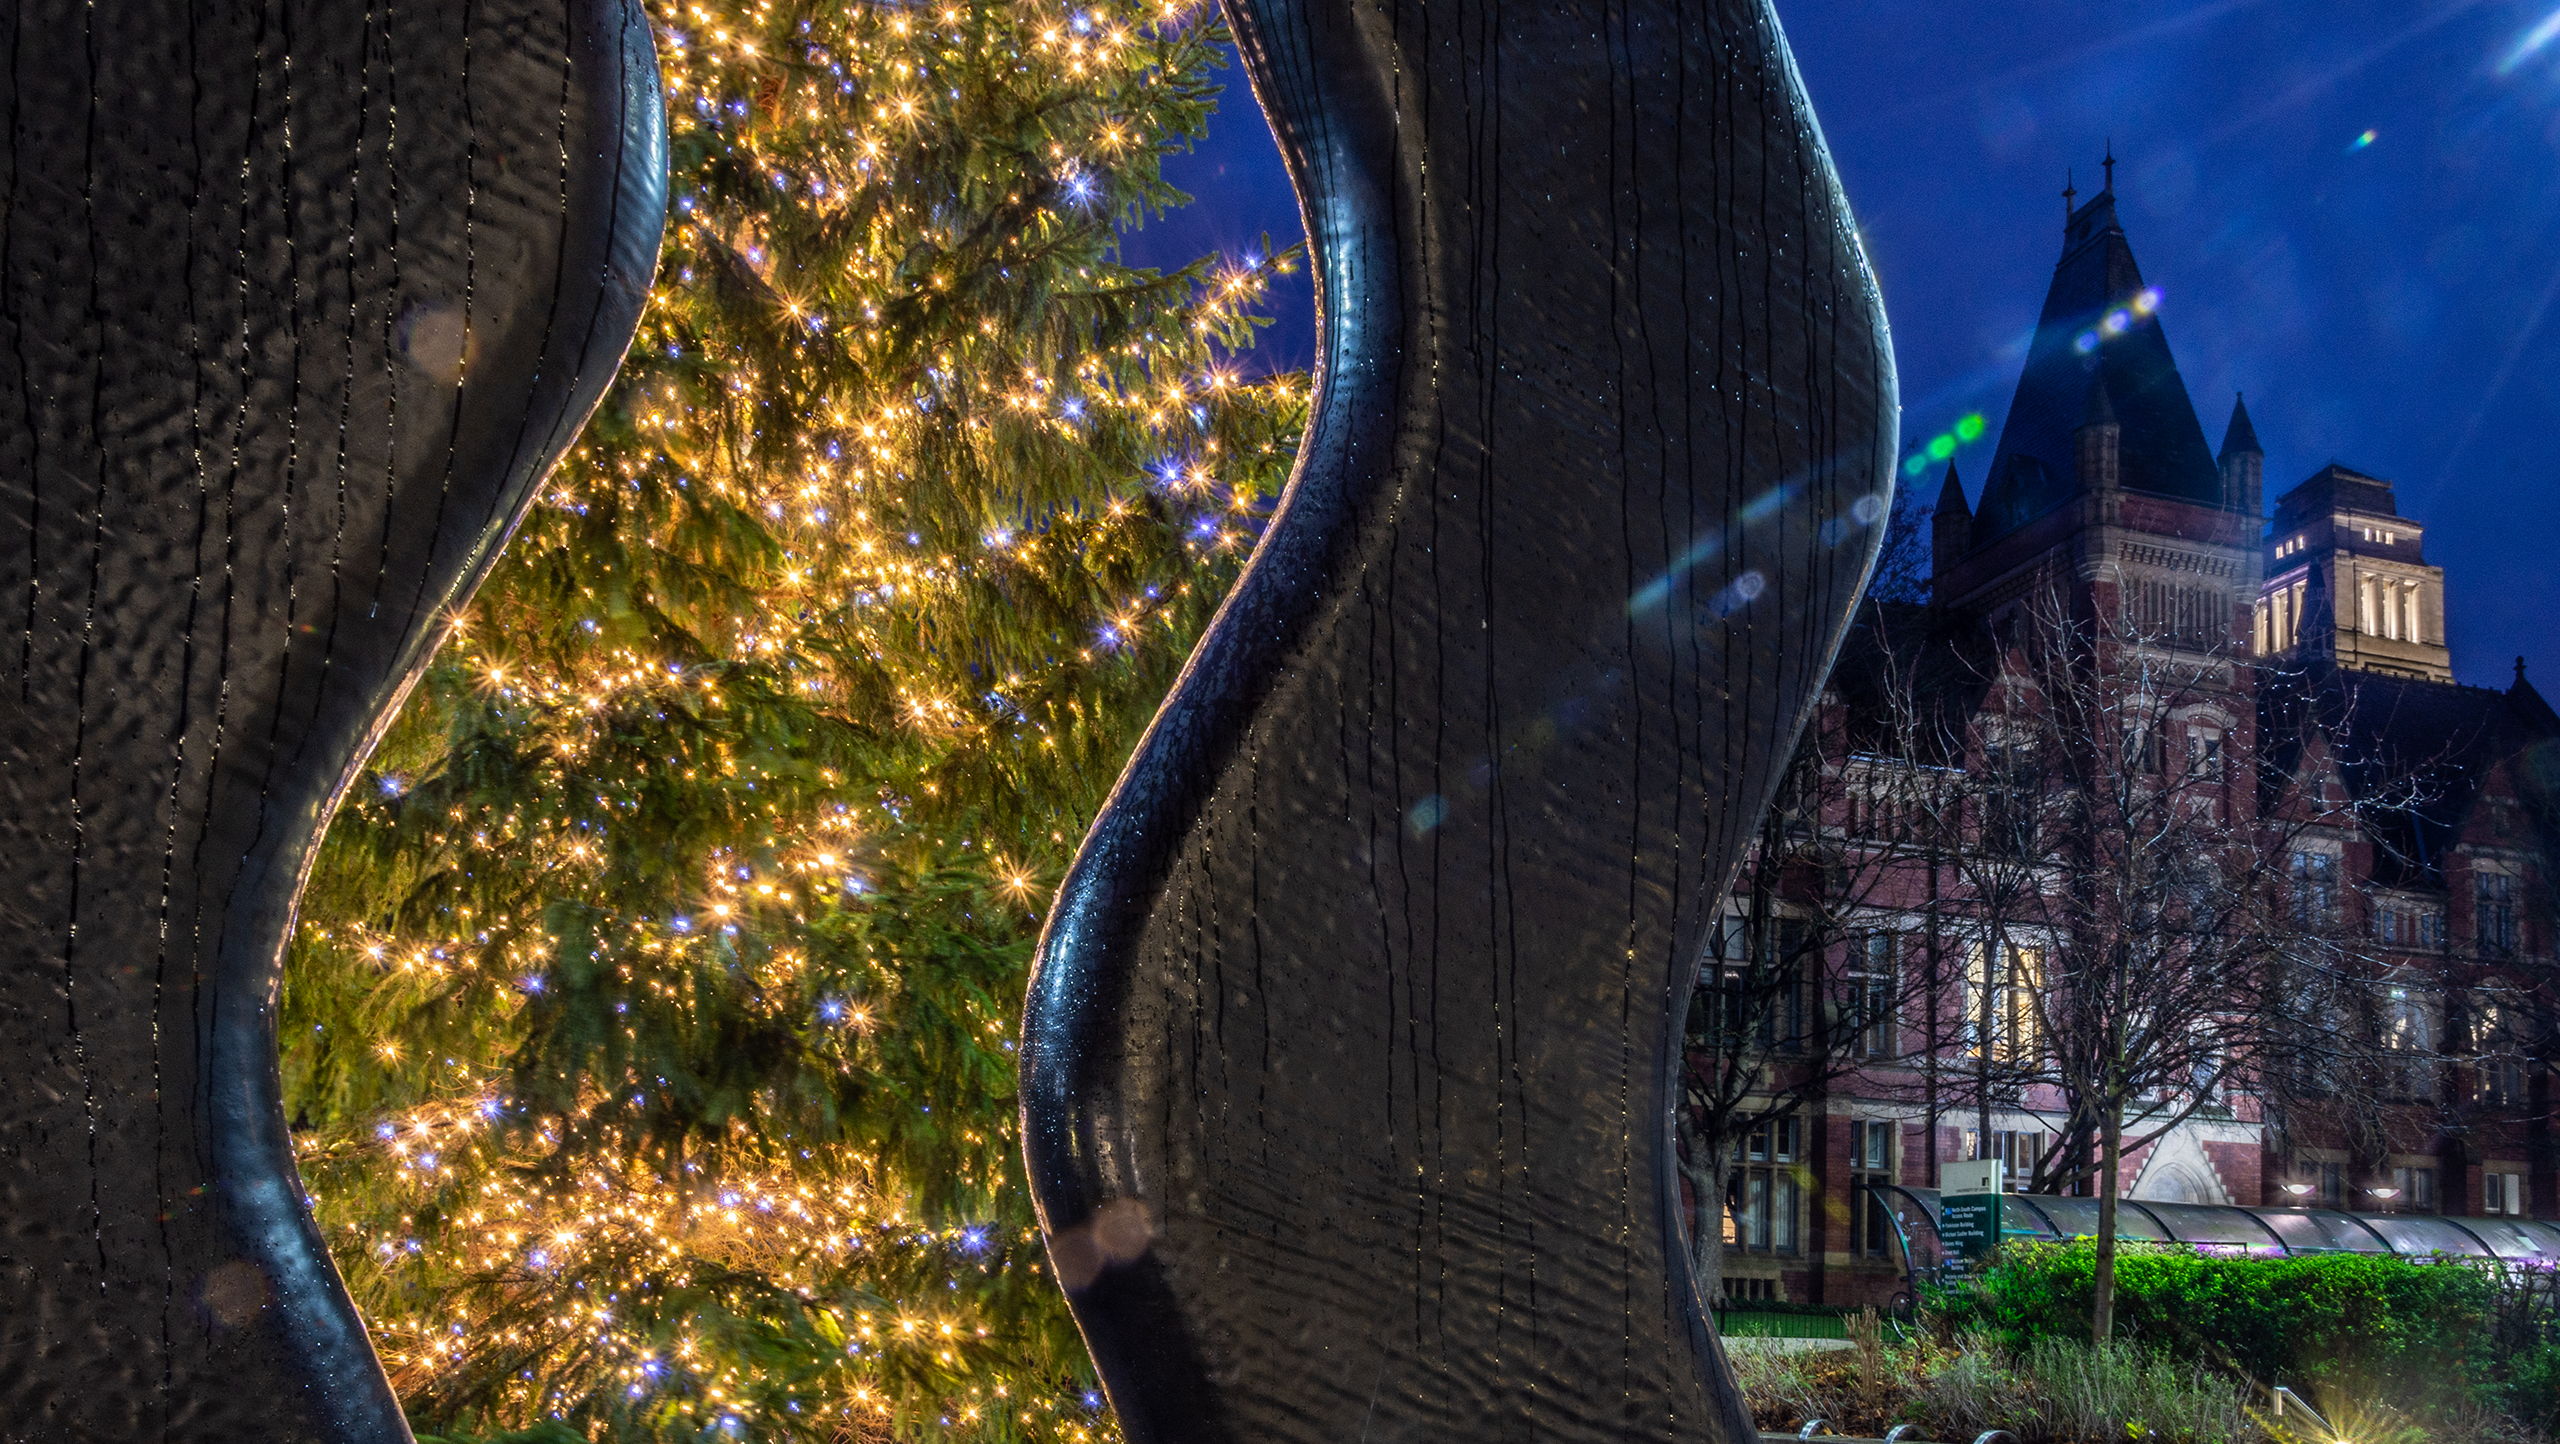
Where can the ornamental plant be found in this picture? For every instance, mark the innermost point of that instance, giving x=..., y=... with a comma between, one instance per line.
x=650, y=1027
x=2417, y=1332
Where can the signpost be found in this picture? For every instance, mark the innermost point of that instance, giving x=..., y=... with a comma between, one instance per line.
x=1969, y=1213
x=1969, y=1225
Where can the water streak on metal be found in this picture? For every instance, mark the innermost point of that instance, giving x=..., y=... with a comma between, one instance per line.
x=1347, y=1059
x=233, y=268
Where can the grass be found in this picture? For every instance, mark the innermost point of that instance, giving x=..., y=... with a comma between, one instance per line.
x=2055, y=1391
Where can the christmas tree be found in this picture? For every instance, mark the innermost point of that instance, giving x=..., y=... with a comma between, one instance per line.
x=650, y=1029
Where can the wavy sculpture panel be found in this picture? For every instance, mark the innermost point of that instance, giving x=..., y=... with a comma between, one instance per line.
x=298, y=301
x=1347, y=1065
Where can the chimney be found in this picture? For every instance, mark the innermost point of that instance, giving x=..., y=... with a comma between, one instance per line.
x=1950, y=526
x=2244, y=465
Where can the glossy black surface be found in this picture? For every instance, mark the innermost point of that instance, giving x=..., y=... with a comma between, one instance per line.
x=1346, y=1063
x=297, y=302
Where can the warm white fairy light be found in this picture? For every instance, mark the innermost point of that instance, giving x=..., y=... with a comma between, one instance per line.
x=493, y=1245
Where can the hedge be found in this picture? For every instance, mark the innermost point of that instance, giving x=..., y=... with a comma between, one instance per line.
x=2408, y=1329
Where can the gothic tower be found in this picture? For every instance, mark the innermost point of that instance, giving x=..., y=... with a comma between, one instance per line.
x=2348, y=580
x=2102, y=473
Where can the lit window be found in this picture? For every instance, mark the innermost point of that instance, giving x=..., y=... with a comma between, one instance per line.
x=2409, y=1032
x=2002, y=1009
x=2498, y=1064
x=2503, y=1192
x=1761, y=1201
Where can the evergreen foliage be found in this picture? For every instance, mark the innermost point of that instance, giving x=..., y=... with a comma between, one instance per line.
x=649, y=1033
x=2416, y=1331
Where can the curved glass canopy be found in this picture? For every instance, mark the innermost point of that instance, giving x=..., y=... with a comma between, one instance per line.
x=2228, y=1226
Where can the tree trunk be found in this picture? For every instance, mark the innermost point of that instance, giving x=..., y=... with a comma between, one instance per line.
x=1701, y=1166
x=1986, y=1041
x=1706, y=1232
x=2110, y=1158
x=1929, y=1024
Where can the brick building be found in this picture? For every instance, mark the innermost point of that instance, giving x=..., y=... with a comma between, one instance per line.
x=2409, y=810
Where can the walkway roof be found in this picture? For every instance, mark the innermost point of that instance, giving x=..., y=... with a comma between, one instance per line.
x=2259, y=1230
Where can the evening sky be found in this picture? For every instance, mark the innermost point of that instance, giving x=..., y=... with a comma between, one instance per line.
x=2351, y=210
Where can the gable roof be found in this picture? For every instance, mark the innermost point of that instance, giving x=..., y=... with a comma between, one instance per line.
x=1938, y=662
x=2414, y=755
x=2100, y=323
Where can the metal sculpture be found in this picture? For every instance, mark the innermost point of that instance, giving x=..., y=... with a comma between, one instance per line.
x=298, y=301
x=1349, y=1051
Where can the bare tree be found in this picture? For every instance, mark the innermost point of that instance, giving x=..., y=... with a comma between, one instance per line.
x=1803, y=983
x=2145, y=941
x=2054, y=820
x=2429, y=1031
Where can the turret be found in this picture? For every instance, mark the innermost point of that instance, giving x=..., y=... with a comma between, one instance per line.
x=2244, y=465
x=1950, y=526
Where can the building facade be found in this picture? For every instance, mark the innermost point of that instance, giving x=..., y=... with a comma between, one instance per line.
x=2316, y=724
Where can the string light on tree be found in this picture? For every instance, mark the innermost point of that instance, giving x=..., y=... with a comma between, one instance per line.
x=653, y=1015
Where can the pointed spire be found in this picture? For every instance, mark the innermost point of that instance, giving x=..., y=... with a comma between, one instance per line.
x=2242, y=462
x=2160, y=447
x=2110, y=164
x=1950, y=527
x=2525, y=697
x=1951, y=500
x=2240, y=439
x=2069, y=193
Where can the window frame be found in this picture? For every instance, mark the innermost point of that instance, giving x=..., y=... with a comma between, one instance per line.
x=2505, y=1193
x=1874, y=1022
x=2493, y=910
x=1872, y=1146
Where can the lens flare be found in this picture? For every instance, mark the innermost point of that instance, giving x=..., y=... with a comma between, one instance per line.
x=1965, y=432
x=2120, y=319
x=2531, y=43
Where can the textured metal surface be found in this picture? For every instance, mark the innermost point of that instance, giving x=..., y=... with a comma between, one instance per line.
x=297, y=302
x=1347, y=1050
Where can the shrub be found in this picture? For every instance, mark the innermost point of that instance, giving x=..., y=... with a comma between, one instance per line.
x=2418, y=1332
x=2533, y=1386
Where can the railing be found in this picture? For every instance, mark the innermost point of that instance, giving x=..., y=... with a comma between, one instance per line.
x=1902, y=1434
x=1745, y=1322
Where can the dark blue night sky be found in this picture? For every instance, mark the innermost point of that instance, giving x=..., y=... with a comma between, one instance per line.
x=2351, y=210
